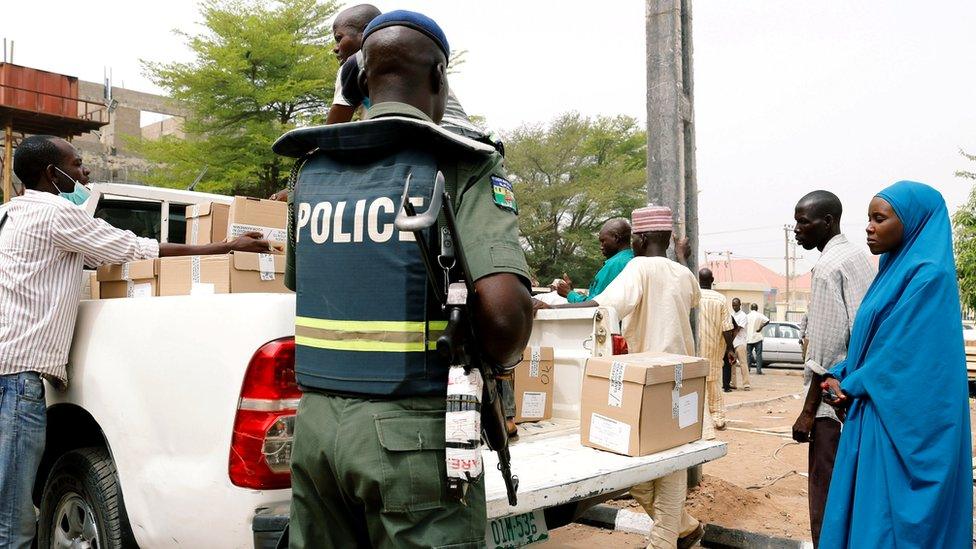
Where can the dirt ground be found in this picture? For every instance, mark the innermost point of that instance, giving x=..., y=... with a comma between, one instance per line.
x=760, y=486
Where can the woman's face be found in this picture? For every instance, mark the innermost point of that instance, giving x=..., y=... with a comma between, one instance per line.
x=885, y=231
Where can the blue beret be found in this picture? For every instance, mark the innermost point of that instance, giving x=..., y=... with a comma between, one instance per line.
x=413, y=20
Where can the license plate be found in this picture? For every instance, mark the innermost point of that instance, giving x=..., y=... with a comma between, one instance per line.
x=516, y=531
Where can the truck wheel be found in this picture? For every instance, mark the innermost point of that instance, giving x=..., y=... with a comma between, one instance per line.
x=81, y=507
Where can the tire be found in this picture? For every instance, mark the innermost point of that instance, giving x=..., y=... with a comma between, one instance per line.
x=82, y=502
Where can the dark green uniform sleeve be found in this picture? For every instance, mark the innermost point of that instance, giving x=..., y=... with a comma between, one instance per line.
x=290, y=247
x=489, y=231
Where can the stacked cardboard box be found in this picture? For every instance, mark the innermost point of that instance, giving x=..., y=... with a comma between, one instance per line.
x=642, y=403
x=238, y=272
x=268, y=217
x=206, y=223
x=533, y=383
x=132, y=279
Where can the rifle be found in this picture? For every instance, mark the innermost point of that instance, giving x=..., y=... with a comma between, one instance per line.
x=473, y=384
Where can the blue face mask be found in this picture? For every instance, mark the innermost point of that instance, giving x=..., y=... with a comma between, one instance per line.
x=79, y=193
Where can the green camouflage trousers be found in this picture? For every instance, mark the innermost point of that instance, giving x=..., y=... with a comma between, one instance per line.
x=371, y=473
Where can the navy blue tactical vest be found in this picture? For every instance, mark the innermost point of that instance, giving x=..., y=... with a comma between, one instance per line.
x=364, y=324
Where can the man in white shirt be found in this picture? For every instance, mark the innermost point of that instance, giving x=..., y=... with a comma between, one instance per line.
x=45, y=240
x=655, y=296
x=739, y=317
x=755, y=322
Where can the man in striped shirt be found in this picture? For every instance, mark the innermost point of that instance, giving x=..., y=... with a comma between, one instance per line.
x=45, y=241
x=715, y=329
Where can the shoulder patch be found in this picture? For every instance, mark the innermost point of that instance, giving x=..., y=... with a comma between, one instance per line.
x=503, y=194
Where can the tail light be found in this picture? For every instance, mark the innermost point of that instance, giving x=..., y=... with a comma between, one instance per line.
x=619, y=345
x=264, y=427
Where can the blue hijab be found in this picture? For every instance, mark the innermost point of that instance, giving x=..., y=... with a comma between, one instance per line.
x=903, y=472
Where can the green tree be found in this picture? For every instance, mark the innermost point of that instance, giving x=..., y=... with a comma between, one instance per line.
x=571, y=176
x=260, y=69
x=964, y=234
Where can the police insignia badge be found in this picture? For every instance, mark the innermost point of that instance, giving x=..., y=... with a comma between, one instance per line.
x=503, y=193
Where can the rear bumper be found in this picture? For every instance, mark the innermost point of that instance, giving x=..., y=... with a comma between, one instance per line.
x=269, y=524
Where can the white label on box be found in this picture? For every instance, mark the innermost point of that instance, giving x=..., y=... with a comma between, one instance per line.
x=125, y=271
x=195, y=269
x=142, y=290
x=533, y=405
x=688, y=413
x=616, y=395
x=267, y=267
x=610, y=433
x=195, y=231
x=534, y=361
x=268, y=233
x=201, y=288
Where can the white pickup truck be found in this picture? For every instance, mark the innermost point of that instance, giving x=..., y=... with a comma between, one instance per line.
x=176, y=427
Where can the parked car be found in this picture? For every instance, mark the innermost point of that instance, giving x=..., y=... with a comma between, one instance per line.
x=969, y=332
x=781, y=343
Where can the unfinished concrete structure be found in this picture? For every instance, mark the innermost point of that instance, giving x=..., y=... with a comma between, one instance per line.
x=108, y=152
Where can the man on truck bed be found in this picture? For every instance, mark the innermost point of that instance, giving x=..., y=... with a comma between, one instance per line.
x=614, y=240
x=368, y=464
x=654, y=296
x=45, y=240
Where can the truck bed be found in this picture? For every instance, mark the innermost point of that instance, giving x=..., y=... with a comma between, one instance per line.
x=554, y=468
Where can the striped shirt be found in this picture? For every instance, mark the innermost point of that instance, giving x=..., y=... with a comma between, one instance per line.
x=714, y=318
x=44, y=246
x=840, y=280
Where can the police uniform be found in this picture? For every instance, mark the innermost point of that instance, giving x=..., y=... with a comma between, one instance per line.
x=368, y=464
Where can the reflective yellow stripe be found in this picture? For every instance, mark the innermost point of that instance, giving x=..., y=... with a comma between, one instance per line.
x=361, y=339
x=360, y=345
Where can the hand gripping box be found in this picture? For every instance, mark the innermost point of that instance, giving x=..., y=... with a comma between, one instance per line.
x=132, y=279
x=268, y=217
x=206, y=223
x=533, y=382
x=642, y=403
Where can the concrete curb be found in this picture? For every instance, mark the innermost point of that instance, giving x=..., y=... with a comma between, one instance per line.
x=623, y=520
x=761, y=401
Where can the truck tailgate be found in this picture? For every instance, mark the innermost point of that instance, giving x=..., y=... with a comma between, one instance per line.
x=554, y=468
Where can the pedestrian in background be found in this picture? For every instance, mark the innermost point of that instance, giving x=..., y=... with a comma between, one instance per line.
x=741, y=363
x=714, y=344
x=755, y=322
x=840, y=280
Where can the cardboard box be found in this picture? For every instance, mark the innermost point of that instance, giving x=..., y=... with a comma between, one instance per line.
x=257, y=273
x=268, y=217
x=533, y=382
x=132, y=279
x=206, y=223
x=194, y=275
x=630, y=405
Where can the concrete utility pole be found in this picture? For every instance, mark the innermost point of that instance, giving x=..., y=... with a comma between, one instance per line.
x=786, y=237
x=671, y=173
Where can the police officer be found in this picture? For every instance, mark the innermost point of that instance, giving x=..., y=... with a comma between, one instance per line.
x=368, y=464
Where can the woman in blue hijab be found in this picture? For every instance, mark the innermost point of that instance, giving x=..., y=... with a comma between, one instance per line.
x=903, y=473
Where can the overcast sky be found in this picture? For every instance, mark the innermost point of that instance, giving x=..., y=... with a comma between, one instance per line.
x=790, y=97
